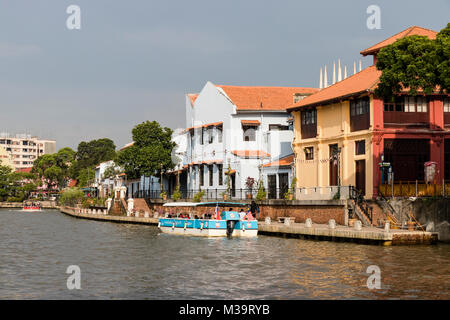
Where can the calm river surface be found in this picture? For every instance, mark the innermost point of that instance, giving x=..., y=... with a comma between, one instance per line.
x=120, y=261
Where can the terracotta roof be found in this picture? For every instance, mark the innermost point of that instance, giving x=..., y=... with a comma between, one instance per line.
x=213, y=124
x=127, y=145
x=263, y=98
x=72, y=183
x=250, y=122
x=250, y=153
x=363, y=81
x=282, y=162
x=27, y=170
x=192, y=97
x=414, y=30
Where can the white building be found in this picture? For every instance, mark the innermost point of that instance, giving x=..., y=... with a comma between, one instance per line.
x=232, y=131
x=24, y=149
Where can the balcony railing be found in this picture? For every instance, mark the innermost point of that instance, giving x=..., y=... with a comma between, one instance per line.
x=406, y=118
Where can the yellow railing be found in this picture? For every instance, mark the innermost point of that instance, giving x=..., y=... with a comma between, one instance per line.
x=413, y=189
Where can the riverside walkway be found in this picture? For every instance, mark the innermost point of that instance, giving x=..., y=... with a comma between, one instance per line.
x=368, y=235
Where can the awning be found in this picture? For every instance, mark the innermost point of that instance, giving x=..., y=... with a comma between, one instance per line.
x=254, y=123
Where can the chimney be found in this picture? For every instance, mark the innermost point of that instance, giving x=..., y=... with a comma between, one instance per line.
x=325, y=81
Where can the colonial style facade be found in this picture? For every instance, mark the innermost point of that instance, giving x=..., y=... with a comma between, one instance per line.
x=233, y=131
x=346, y=135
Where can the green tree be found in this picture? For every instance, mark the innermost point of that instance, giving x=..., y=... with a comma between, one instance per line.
x=5, y=187
x=86, y=177
x=416, y=63
x=54, y=169
x=89, y=154
x=150, y=153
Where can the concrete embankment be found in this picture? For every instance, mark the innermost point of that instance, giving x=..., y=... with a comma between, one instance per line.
x=368, y=235
x=102, y=217
x=44, y=205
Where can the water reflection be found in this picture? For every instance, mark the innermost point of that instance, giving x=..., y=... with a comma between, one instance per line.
x=137, y=262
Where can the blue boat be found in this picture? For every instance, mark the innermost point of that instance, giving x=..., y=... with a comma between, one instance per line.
x=230, y=224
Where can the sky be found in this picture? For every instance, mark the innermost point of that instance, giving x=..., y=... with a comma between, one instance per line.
x=135, y=60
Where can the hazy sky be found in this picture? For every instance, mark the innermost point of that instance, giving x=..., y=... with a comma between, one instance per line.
x=135, y=60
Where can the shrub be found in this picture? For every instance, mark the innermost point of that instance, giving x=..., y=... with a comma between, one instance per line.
x=176, y=194
x=198, y=197
x=71, y=197
x=261, y=195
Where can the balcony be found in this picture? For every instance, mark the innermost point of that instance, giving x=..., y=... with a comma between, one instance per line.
x=408, y=119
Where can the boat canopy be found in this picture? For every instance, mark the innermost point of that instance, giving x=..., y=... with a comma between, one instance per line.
x=205, y=204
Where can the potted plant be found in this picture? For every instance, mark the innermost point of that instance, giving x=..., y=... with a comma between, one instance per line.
x=163, y=195
x=198, y=197
x=249, y=183
x=176, y=194
x=261, y=195
x=290, y=194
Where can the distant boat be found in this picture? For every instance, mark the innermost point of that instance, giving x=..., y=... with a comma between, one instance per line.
x=31, y=206
x=217, y=224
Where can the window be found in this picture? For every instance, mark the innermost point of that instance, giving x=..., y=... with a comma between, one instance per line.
x=360, y=147
x=309, y=153
x=220, y=173
x=219, y=134
x=446, y=105
x=309, y=123
x=202, y=175
x=278, y=127
x=211, y=135
x=360, y=114
x=249, y=133
x=309, y=117
x=202, y=136
x=210, y=170
x=359, y=107
x=407, y=104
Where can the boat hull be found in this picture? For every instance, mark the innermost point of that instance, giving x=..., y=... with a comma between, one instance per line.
x=207, y=228
x=31, y=209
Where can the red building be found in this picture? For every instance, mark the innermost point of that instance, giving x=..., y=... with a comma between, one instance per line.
x=411, y=130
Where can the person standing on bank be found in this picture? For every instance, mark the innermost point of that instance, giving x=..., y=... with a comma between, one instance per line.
x=254, y=209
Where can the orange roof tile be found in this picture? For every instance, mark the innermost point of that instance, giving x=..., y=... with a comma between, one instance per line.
x=27, y=170
x=127, y=145
x=414, y=30
x=263, y=98
x=282, y=162
x=363, y=81
x=213, y=124
x=250, y=122
x=250, y=153
x=192, y=97
x=72, y=183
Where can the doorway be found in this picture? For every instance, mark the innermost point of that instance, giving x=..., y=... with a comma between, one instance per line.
x=333, y=156
x=272, y=184
x=360, y=183
x=283, y=180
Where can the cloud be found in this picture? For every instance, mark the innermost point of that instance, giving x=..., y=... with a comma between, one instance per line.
x=8, y=50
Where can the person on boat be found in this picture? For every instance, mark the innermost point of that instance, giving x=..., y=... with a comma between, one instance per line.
x=249, y=216
x=242, y=214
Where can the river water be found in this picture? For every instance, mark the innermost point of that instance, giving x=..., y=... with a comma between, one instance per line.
x=120, y=261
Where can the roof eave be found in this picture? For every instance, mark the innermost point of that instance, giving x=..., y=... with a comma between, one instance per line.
x=329, y=101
